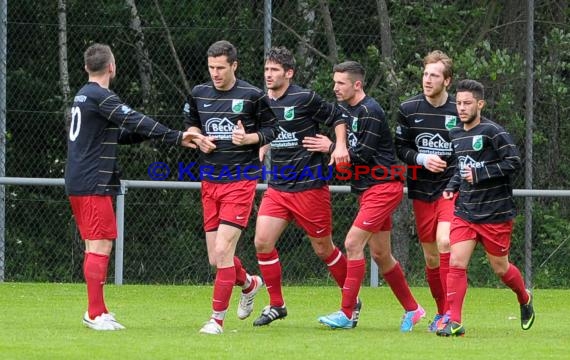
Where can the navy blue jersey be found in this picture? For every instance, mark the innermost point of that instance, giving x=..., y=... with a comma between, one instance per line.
x=300, y=112
x=99, y=122
x=424, y=129
x=370, y=144
x=216, y=113
x=493, y=157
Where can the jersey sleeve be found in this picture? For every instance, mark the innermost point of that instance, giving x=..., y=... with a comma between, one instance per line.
x=191, y=114
x=125, y=117
x=268, y=126
x=509, y=159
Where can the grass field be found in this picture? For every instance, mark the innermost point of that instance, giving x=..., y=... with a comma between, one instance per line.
x=43, y=321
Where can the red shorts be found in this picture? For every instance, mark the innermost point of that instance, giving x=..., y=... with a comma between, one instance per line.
x=311, y=209
x=94, y=216
x=496, y=238
x=429, y=214
x=227, y=203
x=377, y=205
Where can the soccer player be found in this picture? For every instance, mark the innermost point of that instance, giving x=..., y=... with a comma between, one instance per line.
x=301, y=193
x=380, y=192
x=422, y=138
x=99, y=122
x=238, y=116
x=484, y=208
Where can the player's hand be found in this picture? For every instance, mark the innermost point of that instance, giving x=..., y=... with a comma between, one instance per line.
x=448, y=195
x=434, y=164
x=262, y=151
x=239, y=135
x=467, y=174
x=318, y=143
x=205, y=143
x=188, y=138
x=340, y=154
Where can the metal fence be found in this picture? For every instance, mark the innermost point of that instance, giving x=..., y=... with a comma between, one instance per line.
x=171, y=248
x=160, y=48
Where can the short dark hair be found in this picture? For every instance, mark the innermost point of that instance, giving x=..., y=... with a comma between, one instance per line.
x=355, y=70
x=97, y=57
x=282, y=56
x=221, y=48
x=472, y=86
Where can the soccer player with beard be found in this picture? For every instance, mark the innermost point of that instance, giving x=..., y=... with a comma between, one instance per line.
x=303, y=197
x=99, y=122
x=422, y=138
x=484, y=209
x=238, y=116
x=380, y=192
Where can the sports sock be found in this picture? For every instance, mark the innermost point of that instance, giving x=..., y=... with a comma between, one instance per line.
x=515, y=281
x=336, y=264
x=95, y=272
x=223, y=286
x=355, y=270
x=443, y=271
x=397, y=282
x=436, y=288
x=270, y=269
x=456, y=290
x=241, y=274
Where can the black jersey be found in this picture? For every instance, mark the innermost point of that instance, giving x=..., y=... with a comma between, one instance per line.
x=370, y=144
x=216, y=113
x=491, y=153
x=300, y=112
x=99, y=122
x=424, y=129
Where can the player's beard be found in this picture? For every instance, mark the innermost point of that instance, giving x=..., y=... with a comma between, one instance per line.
x=470, y=119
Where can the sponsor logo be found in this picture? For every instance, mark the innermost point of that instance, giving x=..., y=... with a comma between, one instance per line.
x=207, y=105
x=468, y=161
x=417, y=121
x=428, y=143
x=285, y=139
x=221, y=129
x=352, y=140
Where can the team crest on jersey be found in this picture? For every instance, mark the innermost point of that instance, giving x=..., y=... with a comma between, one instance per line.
x=450, y=121
x=237, y=106
x=477, y=142
x=289, y=112
x=354, y=126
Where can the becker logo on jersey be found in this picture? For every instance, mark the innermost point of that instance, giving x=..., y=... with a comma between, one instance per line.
x=468, y=161
x=433, y=144
x=221, y=129
x=285, y=139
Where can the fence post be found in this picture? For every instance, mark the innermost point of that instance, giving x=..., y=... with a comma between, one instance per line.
x=120, y=241
x=373, y=273
x=3, y=60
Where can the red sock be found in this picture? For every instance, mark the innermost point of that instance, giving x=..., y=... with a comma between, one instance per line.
x=397, y=281
x=336, y=263
x=223, y=286
x=95, y=272
x=270, y=269
x=456, y=290
x=443, y=271
x=434, y=282
x=514, y=280
x=355, y=270
x=241, y=274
